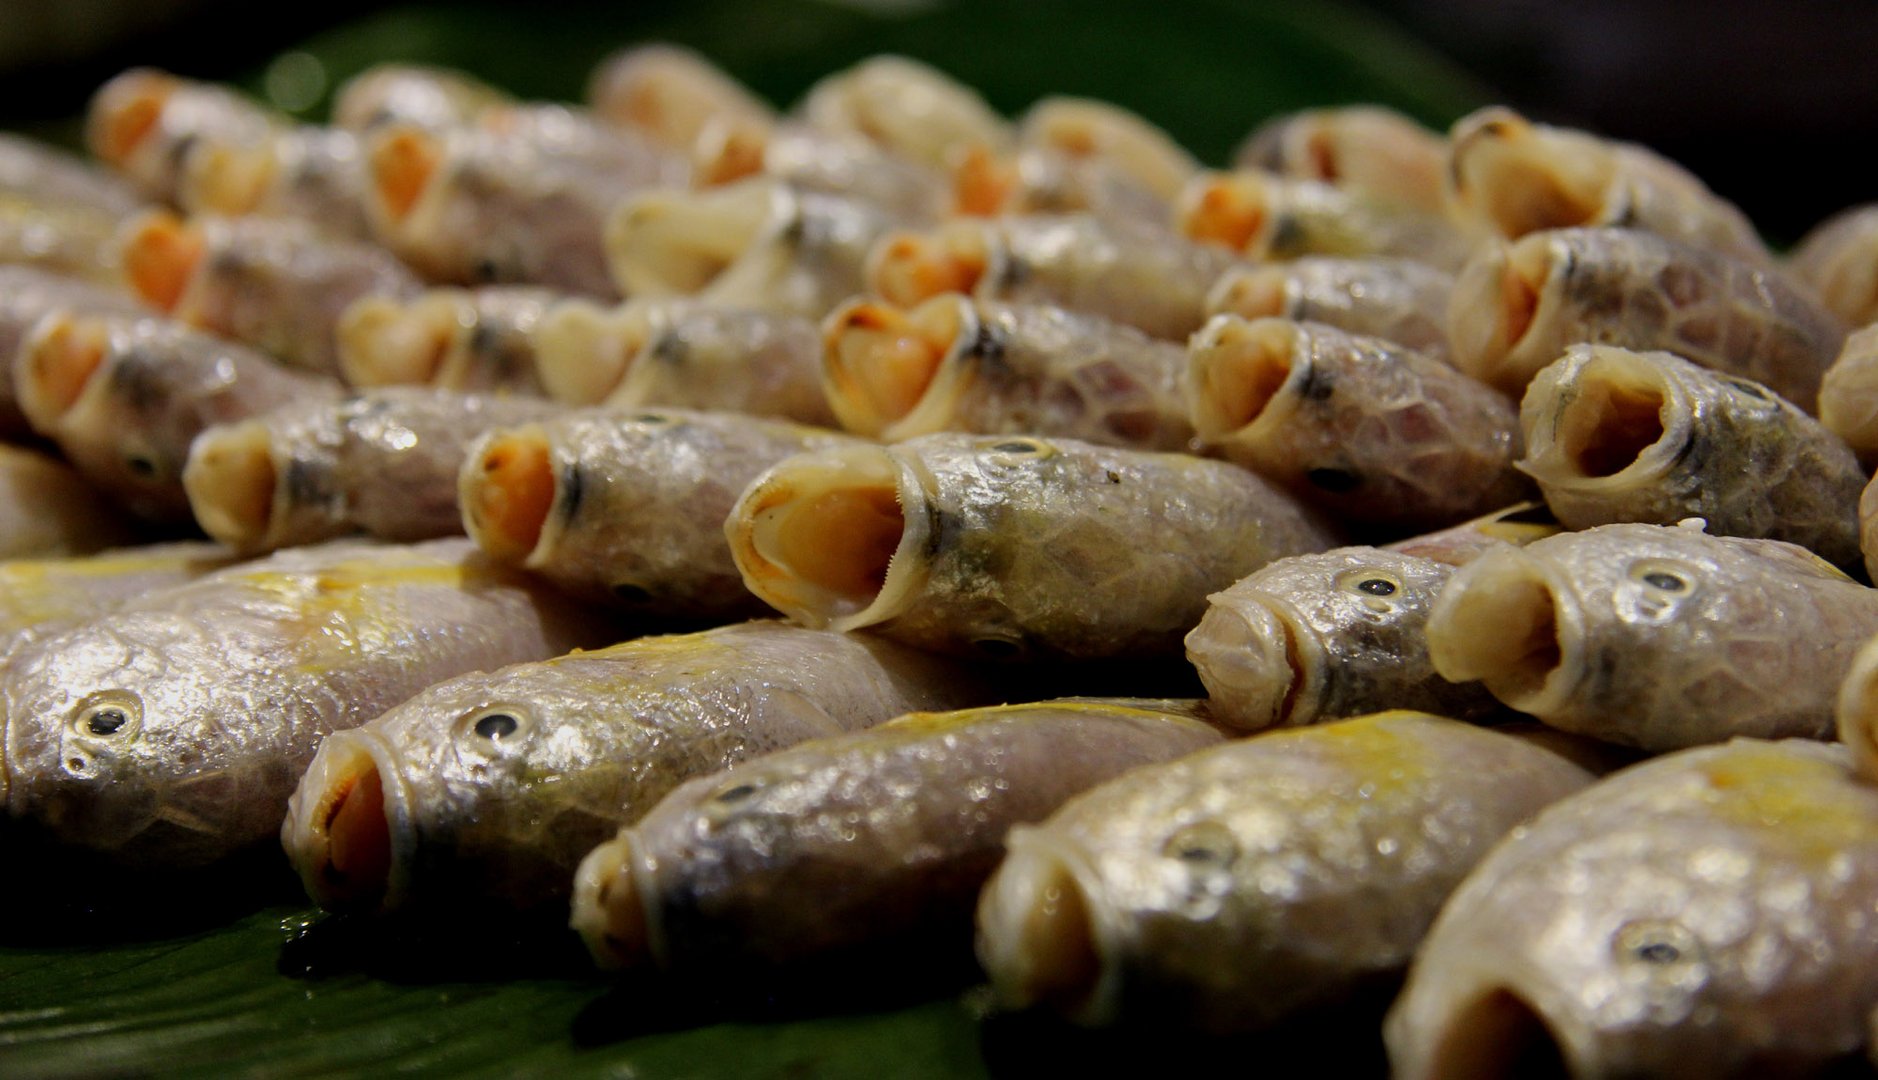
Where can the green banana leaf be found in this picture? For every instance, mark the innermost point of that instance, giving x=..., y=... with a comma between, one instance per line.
x=236, y=976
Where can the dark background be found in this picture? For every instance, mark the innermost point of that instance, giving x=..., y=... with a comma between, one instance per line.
x=1771, y=103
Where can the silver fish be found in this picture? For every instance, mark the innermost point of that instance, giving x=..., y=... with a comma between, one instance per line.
x=867, y=847
x=1009, y=547
x=1399, y=300
x=383, y=462
x=1656, y=636
x=1839, y=259
x=170, y=732
x=487, y=790
x=47, y=509
x=71, y=239
x=1366, y=148
x=142, y=122
x=958, y=364
x=1371, y=432
x=1515, y=309
x=308, y=173
x=627, y=508
x=1615, y=435
x=42, y=173
x=27, y=295
x=1704, y=914
x=1262, y=216
x=1249, y=884
x=455, y=339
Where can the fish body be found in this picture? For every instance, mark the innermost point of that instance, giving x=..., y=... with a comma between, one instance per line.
x=907, y=107
x=434, y=98
x=867, y=847
x=1659, y=637
x=471, y=340
x=1839, y=259
x=1009, y=547
x=47, y=508
x=70, y=239
x=41, y=597
x=1704, y=914
x=1092, y=131
x=308, y=173
x=1262, y=216
x=1050, y=180
x=1366, y=148
x=809, y=159
x=1399, y=300
x=143, y=121
x=673, y=94
x=1615, y=435
x=170, y=731
x=1848, y=394
x=26, y=295
x=479, y=812
x=39, y=172
x=1255, y=882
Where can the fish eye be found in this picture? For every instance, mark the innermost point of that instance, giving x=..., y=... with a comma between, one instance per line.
x=631, y=593
x=1662, y=577
x=140, y=465
x=736, y=793
x=1378, y=590
x=500, y=725
x=998, y=648
x=108, y=716
x=496, y=725
x=651, y=418
x=1028, y=447
x=1204, y=844
x=1657, y=944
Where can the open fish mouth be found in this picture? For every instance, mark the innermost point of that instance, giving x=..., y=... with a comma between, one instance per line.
x=1233, y=210
x=1256, y=664
x=128, y=109
x=679, y=243
x=227, y=178
x=1508, y=622
x=401, y=161
x=610, y=909
x=834, y=539
x=57, y=364
x=385, y=342
x=1040, y=934
x=233, y=484
x=1499, y=302
x=1254, y=292
x=344, y=831
x=160, y=252
x=585, y=353
x=1496, y=1035
x=884, y=369
x=508, y=490
x=1521, y=178
x=1239, y=372
x=907, y=268
x=1605, y=429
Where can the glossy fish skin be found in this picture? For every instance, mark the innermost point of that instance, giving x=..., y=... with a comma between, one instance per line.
x=1319, y=637
x=1373, y=433
x=671, y=93
x=1659, y=637
x=430, y=97
x=475, y=821
x=42, y=597
x=1614, y=435
x=1848, y=394
x=1007, y=547
x=759, y=244
x=1515, y=177
x=48, y=509
x=1367, y=148
x=26, y=295
x=907, y=107
x=1262, y=216
x=866, y=848
x=310, y=174
x=684, y=354
x=1142, y=277
x=1839, y=259
x=1256, y=882
x=61, y=238
x=1015, y=368
x=171, y=731
x=383, y=462
x=155, y=386
x=1704, y=914
x=471, y=340
x=38, y=172
x=142, y=122
x=1516, y=308
x=1396, y=299
x=636, y=518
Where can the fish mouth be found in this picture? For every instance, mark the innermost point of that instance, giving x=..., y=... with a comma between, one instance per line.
x=906, y=269
x=223, y=178
x=680, y=243
x=1498, y=1035
x=584, y=352
x=1085, y=128
x=233, y=484
x=343, y=832
x=1506, y=621
x=1857, y=711
x=385, y=342
x=401, y=162
x=125, y=112
x=1496, y=309
x=728, y=149
x=159, y=253
x=1257, y=292
x=1237, y=374
x=883, y=368
x=1231, y=209
x=983, y=184
x=610, y=909
x=1521, y=178
x=1261, y=669
x=57, y=364
x=1040, y=935
x=1610, y=428
x=508, y=490
x=833, y=538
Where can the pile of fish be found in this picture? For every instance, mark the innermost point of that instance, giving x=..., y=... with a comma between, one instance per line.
x=1466, y=470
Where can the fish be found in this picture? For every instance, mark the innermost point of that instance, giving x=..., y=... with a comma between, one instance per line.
x=1399, y=300
x=955, y=363
x=672, y=94
x=63, y=238
x=28, y=294
x=124, y=397
x=908, y=107
x=48, y=509
x=1516, y=307
x=274, y=284
x=759, y=243
x=809, y=159
x=1257, y=882
x=434, y=98
x=1050, y=180
x=1370, y=149
x=627, y=508
x=1009, y=547
x=1656, y=636
x=678, y=352
x=1375, y=434
x=485, y=791
x=1707, y=913
x=863, y=851
x=170, y=732
x=307, y=173
x=39, y=172
x=383, y=462
x=1087, y=129
x=1140, y=276
x=40, y=597
x=1514, y=177
x=1848, y=394
x=473, y=340
x=142, y=122
x=1839, y=259
x=1263, y=216
x=1617, y=435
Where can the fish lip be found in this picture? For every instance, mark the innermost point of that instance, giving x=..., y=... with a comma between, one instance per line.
x=1550, y=464
x=1491, y=573
x=1419, y=1054
x=1267, y=621
x=310, y=806
x=951, y=377
x=1106, y=929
